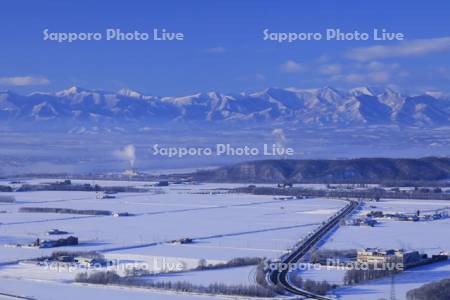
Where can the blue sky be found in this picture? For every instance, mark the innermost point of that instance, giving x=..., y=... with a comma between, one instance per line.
x=223, y=49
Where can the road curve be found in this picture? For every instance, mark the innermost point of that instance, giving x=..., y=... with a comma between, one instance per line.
x=281, y=277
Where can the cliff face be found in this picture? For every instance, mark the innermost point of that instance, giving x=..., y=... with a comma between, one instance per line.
x=363, y=169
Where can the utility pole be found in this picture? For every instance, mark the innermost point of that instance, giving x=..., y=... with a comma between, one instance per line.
x=393, y=296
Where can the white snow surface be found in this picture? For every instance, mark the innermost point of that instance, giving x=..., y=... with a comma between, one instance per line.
x=223, y=226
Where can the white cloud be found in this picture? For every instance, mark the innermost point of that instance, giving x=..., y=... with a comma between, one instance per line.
x=216, y=50
x=260, y=76
x=330, y=69
x=375, y=65
x=373, y=72
x=291, y=66
x=379, y=77
x=364, y=78
x=257, y=77
x=24, y=80
x=353, y=78
x=444, y=72
x=323, y=58
x=404, y=49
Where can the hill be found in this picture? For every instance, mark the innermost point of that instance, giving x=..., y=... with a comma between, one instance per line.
x=357, y=170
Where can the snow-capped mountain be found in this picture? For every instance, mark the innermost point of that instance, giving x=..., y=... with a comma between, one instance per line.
x=302, y=107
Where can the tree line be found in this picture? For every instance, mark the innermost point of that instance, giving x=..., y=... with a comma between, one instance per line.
x=111, y=277
x=439, y=290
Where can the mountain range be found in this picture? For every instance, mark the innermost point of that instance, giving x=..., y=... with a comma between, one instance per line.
x=298, y=107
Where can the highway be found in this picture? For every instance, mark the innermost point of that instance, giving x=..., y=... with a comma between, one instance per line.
x=281, y=277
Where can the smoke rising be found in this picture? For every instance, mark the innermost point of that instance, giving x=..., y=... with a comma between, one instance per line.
x=279, y=135
x=127, y=153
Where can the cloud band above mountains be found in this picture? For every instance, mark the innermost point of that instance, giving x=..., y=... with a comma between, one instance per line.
x=404, y=49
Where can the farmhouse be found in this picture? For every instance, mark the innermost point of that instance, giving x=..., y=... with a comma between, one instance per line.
x=90, y=261
x=361, y=222
x=122, y=214
x=376, y=256
x=56, y=232
x=69, y=241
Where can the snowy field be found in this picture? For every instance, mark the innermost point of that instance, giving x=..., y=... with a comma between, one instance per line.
x=54, y=290
x=407, y=280
x=223, y=226
x=429, y=237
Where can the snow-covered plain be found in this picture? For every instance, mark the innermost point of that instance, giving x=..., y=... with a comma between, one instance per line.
x=53, y=290
x=428, y=237
x=407, y=280
x=223, y=225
